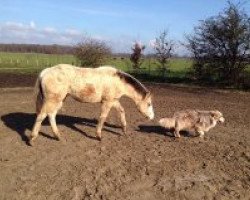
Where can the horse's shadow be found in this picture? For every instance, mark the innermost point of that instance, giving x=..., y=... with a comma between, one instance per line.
x=20, y=122
x=149, y=129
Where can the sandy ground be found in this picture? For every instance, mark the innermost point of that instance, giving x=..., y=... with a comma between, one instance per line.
x=146, y=164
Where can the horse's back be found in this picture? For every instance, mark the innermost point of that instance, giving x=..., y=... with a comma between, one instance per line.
x=84, y=84
x=61, y=69
x=96, y=84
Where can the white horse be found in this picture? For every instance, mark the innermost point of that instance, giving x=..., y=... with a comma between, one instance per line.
x=104, y=84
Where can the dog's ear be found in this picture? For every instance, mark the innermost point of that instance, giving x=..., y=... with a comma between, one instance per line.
x=212, y=114
x=215, y=113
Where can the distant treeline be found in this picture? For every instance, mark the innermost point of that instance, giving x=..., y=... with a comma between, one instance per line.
x=56, y=49
x=45, y=49
x=37, y=48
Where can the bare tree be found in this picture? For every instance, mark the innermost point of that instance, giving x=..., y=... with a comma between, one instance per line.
x=163, y=47
x=92, y=52
x=136, y=56
x=220, y=45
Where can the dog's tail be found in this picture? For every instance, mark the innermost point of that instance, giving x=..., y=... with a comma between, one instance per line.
x=167, y=122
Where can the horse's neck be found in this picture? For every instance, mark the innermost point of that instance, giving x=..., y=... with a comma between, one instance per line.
x=133, y=94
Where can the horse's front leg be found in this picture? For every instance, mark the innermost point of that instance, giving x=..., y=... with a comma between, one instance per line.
x=106, y=106
x=120, y=109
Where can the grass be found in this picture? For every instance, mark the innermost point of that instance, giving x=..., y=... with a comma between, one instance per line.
x=33, y=63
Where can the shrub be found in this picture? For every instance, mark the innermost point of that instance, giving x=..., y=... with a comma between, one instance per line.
x=163, y=48
x=91, y=52
x=220, y=46
x=136, y=56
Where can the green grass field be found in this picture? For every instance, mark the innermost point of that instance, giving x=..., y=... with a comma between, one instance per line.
x=33, y=63
x=29, y=63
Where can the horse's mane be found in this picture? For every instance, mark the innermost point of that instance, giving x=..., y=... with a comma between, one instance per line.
x=127, y=78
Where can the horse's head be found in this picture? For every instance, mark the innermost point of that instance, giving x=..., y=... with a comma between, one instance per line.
x=145, y=106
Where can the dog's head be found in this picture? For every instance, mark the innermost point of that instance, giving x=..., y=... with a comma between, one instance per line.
x=217, y=116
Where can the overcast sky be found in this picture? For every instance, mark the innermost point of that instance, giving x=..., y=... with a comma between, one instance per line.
x=119, y=23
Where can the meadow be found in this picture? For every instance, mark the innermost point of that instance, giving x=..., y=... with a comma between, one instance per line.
x=178, y=68
x=32, y=63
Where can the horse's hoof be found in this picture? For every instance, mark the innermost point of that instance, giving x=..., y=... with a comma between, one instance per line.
x=63, y=141
x=124, y=130
x=30, y=142
x=99, y=138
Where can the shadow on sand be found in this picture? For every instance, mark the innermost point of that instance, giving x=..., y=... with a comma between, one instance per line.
x=20, y=122
x=160, y=130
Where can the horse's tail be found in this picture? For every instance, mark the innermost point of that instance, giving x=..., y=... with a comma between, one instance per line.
x=39, y=94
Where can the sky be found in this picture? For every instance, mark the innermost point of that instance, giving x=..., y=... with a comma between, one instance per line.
x=118, y=23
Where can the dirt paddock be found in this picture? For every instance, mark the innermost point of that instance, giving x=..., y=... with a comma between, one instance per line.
x=146, y=164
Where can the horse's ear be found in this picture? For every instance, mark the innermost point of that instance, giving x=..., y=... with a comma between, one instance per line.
x=147, y=95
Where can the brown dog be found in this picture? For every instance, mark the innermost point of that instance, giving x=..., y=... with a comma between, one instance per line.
x=193, y=121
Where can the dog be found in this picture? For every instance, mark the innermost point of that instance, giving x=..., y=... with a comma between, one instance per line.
x=197, y=121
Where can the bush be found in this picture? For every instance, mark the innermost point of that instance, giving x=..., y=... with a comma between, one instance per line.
x=91, y=52
x=220, y=46
x=163, y=50
x=136, y=56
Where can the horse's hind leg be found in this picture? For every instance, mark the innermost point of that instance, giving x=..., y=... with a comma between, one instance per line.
x=106, y=106
x=49, y=108
x=39, y=119
x=120, y=109
x=52, y=111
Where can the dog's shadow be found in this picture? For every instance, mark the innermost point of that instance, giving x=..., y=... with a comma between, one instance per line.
x=20, y=122
x=149, y=129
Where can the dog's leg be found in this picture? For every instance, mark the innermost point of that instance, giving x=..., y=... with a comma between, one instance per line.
x=201, y=134
x=177, y=130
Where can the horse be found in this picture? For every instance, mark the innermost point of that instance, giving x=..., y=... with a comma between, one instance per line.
x=104, y=84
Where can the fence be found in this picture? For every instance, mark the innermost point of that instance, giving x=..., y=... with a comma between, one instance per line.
x=26, y=60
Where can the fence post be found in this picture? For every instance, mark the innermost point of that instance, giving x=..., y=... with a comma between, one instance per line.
x=149, y=66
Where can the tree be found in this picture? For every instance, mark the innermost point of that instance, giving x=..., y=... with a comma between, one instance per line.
x=92, y=52
x=163, y=48
x=136, y=55
x=220, y=45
